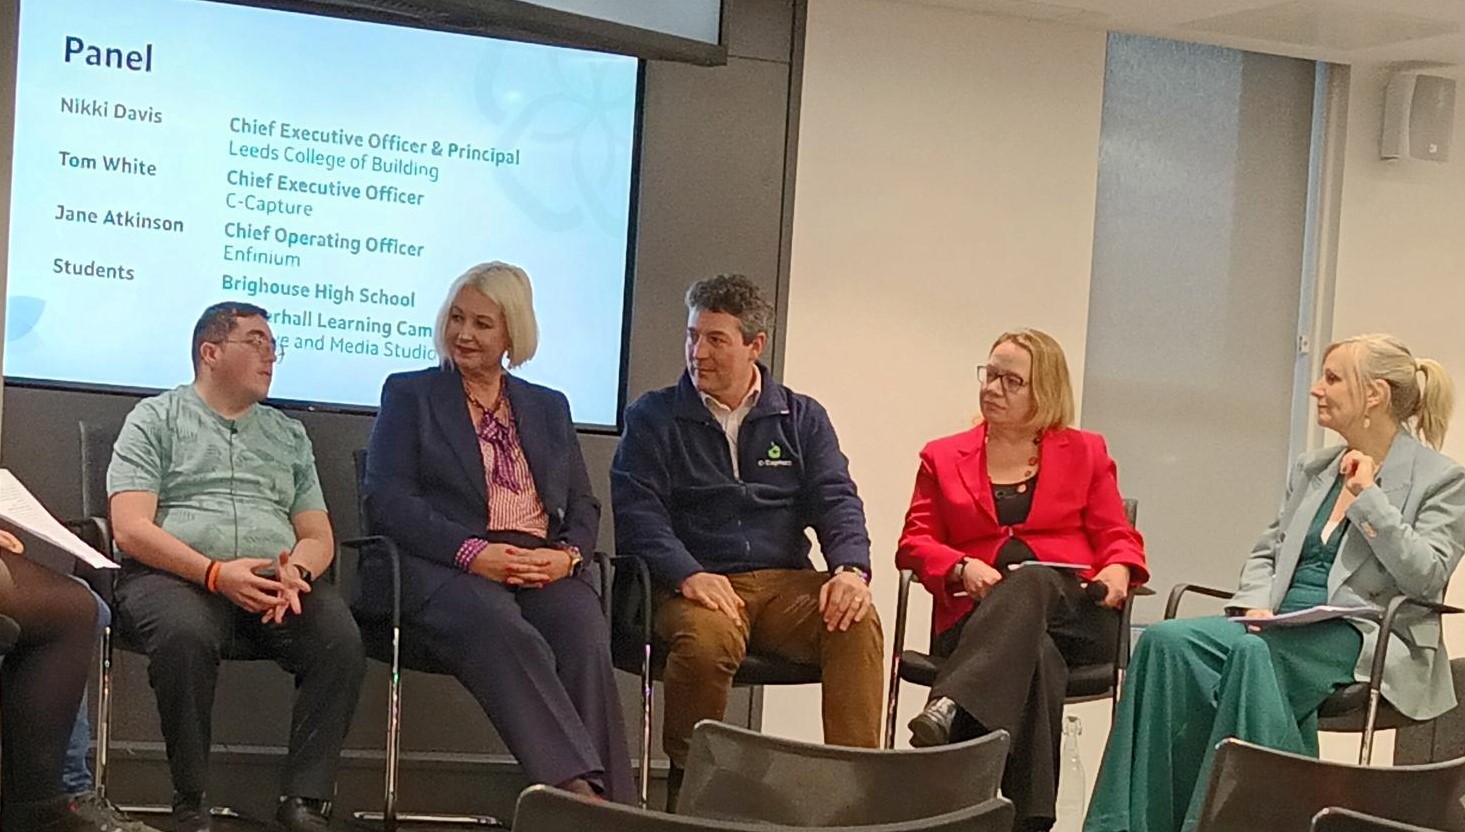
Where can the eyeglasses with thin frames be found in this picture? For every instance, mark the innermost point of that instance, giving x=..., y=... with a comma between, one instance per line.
x=270, y=349
x=1010, y=383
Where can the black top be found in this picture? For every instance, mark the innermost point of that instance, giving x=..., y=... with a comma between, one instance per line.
x=1014, y=502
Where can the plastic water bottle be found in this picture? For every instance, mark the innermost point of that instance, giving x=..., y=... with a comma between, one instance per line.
x=1071, y=797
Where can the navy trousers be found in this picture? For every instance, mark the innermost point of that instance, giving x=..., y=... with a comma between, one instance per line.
x=538, y=661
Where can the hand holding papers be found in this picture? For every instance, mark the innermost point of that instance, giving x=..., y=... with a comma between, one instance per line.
x=21, y=508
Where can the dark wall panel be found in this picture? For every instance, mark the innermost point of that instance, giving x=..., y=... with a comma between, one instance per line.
x=714, y=193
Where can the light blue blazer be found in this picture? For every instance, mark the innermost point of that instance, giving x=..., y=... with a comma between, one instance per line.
x=1406, y=537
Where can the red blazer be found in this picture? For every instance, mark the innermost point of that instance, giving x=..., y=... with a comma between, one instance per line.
x=1077, y=515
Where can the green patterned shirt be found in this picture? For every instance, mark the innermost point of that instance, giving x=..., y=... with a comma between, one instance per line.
x=226, y=487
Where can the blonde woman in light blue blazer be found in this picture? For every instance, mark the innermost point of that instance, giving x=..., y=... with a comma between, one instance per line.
x=1361, y=524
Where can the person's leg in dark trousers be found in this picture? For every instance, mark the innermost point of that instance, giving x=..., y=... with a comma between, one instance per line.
x=569, y=616
x=1008, y=670
x=184, y=631
x=42, y=679
x=322, y=648
x=475, y=628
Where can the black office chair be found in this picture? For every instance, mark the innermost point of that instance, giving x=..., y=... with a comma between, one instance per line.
x=1334, y=819
x=742, y=775
x=1253, y=788
x=95, y=529
x=386, y=642
x=1086, y=683
x=635, y=649
x=1358, y=708
x=546, y=809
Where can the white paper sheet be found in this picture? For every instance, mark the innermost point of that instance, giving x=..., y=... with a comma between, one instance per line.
x=21, y=508
x=1311, y=615
x=1076, y=567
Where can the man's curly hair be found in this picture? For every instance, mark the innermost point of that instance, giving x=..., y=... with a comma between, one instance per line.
x=735, y=295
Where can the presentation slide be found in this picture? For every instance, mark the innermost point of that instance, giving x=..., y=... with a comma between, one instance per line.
x=170, y=154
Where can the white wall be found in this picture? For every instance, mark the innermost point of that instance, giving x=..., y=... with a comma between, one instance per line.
x=946, y=184
x=1401, y=256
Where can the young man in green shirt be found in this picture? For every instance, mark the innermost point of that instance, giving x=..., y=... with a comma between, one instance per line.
x=216, y=504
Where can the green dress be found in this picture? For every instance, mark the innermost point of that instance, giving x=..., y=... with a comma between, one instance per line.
x=1194, y=682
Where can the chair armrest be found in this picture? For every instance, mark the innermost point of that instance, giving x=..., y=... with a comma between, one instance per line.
x=641, y=585
x=902, y=609
x=602, y=566
x=394, y=558
x=1173, y=604
x=97, y=533
x=1386, y=626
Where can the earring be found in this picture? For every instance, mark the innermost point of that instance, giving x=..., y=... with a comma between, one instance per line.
x=1367, y=422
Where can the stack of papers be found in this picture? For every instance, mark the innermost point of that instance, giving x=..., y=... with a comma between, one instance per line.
x=24, y=511
x=1311, y=615
x=1075, y=567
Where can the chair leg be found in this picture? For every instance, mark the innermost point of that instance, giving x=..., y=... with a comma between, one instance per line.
x=1365, y=750
x=1118, y=692
x=394, y=734
x=892, y=701
x=104, y=711
x=646, y=692
x=389, y=816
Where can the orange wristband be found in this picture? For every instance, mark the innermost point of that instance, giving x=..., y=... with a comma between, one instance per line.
x=211, y=578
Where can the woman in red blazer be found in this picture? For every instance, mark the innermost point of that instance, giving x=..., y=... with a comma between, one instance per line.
x=1021, y=486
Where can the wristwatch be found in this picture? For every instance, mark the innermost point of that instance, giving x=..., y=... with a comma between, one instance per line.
x=577, y=561
x=850, y=567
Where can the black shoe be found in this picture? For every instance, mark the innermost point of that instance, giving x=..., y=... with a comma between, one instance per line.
x=99, y=813
x=674, y=776
x=933, y=725
x=301, y=814
x=190, y=814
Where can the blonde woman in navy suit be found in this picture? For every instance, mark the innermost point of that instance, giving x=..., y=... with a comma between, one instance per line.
x=478, y=477
x=1380, y=517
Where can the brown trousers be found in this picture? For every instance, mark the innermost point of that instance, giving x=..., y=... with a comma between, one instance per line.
x=781, y=619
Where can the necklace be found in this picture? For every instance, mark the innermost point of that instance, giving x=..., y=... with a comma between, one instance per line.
x=487, y=410
x=1032, y=466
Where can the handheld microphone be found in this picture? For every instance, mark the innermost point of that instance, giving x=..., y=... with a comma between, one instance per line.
x=1095, y=591
x=9, y=634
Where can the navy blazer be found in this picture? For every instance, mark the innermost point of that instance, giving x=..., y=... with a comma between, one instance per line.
x=425, y=485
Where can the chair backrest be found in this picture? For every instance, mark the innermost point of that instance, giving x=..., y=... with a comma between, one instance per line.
x=359, y=457
x=1334, y=819
x=546, y=809
x=1254, y=788
x=736, y=774
x=96, y=454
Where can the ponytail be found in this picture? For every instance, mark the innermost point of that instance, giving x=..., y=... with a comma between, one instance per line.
x=1436, y=402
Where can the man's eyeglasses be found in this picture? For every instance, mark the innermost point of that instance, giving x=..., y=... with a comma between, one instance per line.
x=1011, y=383
x=269, y=349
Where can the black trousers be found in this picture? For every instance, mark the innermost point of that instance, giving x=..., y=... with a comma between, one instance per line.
x=185, y=632
x=1007, y=667
x=538, y=661
x=42, y=678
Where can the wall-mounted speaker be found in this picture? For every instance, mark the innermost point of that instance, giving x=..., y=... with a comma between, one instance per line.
x=1419, y=117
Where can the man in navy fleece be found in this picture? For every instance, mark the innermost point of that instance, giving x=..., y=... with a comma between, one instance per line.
x=714, y=483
